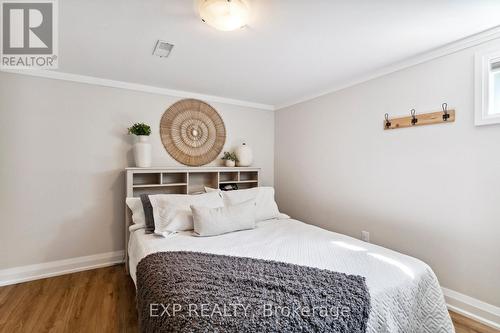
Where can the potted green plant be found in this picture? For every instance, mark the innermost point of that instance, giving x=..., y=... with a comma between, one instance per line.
x=142, y=148
x=140, y=129
x=229, y=159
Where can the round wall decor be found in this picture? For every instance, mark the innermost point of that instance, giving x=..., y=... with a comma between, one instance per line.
x=192, y=132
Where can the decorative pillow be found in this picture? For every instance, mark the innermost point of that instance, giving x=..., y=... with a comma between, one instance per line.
x=135, y=206
x=172, y=212
x=217, y=221
x=211, y=189
x=148, y=213
x=264, y=199
x=142, y=213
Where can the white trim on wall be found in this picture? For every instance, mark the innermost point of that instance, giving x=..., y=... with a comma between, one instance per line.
x=48, y=74
x=60, y=267
x=442, y=51
x=482, y=320
x=473, y=308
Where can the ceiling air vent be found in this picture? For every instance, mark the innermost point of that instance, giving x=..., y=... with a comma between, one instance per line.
x=162, y=49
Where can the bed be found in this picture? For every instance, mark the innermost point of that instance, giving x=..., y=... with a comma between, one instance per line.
x=405, y=295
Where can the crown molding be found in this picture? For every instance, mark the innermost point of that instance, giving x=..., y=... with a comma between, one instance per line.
x=442, y=51
x=56, y=75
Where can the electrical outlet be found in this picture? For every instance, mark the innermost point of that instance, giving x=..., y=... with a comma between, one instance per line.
x=365, y=236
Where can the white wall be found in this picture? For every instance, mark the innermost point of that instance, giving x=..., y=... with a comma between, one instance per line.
x=63, y=149
x=432, y=192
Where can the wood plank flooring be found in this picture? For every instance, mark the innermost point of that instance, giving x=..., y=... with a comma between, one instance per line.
x=100, y=300
x=466, y=325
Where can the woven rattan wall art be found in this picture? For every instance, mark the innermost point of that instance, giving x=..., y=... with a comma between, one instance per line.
x=192, y=132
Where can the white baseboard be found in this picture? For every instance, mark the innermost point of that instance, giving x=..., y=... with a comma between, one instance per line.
x=473, y=308
x=53, y=268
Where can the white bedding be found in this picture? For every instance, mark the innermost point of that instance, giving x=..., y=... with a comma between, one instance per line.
x=405, y=294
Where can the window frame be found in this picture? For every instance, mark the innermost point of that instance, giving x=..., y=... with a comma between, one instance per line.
x=483, y=94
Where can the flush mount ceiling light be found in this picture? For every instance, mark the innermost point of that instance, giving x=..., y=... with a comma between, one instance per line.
x=225, y=15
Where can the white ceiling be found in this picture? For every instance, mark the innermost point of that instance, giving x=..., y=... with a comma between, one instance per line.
x=291, y=48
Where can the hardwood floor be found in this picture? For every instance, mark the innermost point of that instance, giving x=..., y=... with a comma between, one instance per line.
x=100, y=300
x=466, y=325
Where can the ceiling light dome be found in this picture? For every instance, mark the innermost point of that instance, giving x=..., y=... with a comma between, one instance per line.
x=225, y=15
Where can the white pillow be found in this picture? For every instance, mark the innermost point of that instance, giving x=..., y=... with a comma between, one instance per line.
x=264, y=200
x=172, y=212
x=216, y=221
x=211, y=189
x=135, y=205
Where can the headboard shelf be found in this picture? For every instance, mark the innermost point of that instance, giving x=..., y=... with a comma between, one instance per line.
x=191, y=169
x=158, y=185
x=227, y=176
x=179, y=180
x=238, y=181
x=187, y=180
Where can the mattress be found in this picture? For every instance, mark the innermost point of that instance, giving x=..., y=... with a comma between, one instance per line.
x=405, y=293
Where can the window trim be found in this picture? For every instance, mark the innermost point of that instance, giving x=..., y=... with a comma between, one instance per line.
x=483, y=89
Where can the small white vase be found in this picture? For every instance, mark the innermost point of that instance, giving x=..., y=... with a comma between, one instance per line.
x=244, y=155
x=229, y=163
x=142, y=152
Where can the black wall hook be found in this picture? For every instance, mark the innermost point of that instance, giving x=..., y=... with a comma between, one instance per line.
x=414, y=119
x=387, y=122
x=446, y=115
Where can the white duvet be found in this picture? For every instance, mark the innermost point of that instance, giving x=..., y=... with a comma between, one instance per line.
x=405, y=294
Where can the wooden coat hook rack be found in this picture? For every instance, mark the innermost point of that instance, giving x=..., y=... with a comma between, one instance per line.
x=444, y=116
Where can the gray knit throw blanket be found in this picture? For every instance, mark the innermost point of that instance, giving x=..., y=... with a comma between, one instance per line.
x=201, y=292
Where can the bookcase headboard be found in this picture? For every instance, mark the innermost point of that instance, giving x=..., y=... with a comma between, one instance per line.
x=187, y=180
x=182, y=180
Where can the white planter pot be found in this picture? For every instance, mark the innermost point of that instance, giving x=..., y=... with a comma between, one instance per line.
x=244, y=155
x=230, y=163
x=142, y=152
